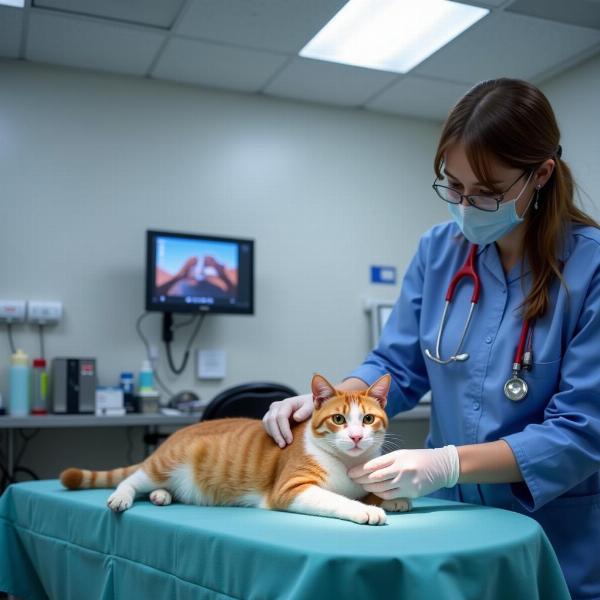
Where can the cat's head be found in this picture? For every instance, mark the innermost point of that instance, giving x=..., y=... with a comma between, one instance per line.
x=349, y=423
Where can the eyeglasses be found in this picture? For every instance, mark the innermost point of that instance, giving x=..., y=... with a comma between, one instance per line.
x=489, y=203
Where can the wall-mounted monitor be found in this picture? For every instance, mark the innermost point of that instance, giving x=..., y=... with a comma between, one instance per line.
x=194, y=273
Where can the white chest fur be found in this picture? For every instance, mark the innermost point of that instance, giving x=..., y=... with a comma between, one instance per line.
x=337, y=480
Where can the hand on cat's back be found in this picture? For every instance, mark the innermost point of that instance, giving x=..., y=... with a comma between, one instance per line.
x=277, y=420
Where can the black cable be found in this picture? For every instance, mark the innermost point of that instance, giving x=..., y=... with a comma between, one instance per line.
x=32, y=474
x=42, y=352
x=4, y=477
x=186, y=354
x=7, y=479
x=146, y=343
x=184, y=323
x=11, y=341
x=26, y=440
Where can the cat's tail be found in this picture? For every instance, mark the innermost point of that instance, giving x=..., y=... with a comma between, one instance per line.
x=78, y=479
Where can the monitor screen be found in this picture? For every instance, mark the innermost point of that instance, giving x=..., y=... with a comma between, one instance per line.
x=189, y=273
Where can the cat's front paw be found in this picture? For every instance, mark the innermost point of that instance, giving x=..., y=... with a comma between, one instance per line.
x=367, y=515
x=119, y=501
x=160, y=497
x=397, y=505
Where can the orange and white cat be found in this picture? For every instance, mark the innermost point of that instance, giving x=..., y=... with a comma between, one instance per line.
x=234, y=462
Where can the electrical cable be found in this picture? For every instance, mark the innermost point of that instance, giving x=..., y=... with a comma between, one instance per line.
x=186, y=354
x=26, y=440
x=138, y=327
x=29, y=472
x=4, y=477
x=184, y=323
x=7, y=479
x=11, y=340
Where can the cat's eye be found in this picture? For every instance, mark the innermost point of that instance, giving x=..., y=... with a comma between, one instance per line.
x=369, y=419
x=338, y=419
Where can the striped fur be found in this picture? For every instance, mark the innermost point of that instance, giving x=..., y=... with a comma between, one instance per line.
x=75, y=479
x=234, y=461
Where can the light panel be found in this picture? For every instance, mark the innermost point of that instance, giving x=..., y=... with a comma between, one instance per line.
x=391, y=35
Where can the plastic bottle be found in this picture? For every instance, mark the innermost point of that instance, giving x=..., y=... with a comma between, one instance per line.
x=18, y=398
x=146, y=378
x=127, y=385
x=39, y=396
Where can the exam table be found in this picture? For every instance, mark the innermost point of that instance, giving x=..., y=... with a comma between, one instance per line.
x=61, y=544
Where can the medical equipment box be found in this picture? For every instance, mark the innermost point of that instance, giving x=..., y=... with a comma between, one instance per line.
x=73, y=385
x=109, y=402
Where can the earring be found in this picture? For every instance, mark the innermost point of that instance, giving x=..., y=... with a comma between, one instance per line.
x=537, y=197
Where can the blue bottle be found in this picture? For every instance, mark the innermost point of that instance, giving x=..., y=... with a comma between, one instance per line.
x=127, y=385
x=146, y=377
x=18, y=399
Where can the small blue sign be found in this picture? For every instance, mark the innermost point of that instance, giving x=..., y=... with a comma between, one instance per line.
x=380, y=274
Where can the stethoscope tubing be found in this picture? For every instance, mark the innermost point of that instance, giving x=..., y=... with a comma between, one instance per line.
x=467, y=270
x=525, y=337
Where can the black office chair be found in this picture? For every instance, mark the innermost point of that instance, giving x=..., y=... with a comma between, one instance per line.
x=247, y=400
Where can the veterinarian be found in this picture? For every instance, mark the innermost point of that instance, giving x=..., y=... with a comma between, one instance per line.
x=511, y=354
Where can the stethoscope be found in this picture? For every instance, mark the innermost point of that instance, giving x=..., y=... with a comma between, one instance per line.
x=515, y=388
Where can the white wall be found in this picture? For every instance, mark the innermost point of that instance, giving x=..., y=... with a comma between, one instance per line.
x=89, y=162
x=575, y=97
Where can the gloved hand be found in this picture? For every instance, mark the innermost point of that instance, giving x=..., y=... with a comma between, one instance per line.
x=277, y=420
x=408, y=473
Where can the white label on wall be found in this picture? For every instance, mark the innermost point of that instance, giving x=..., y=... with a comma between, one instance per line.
x=212, y=364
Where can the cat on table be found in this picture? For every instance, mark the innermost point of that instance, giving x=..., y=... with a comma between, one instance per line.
x=234, y=462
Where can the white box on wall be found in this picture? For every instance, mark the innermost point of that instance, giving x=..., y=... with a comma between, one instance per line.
x=212, y=364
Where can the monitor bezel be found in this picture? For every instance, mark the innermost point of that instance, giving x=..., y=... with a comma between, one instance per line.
x=152, y=234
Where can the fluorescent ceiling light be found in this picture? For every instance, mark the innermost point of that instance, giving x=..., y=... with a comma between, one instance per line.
x=17, y=3
x=391, y=35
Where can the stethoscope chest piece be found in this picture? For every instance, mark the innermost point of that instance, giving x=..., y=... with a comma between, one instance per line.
x=515, y=388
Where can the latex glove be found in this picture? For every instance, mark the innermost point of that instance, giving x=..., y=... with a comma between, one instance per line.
x=277, y=420
x=408, y=473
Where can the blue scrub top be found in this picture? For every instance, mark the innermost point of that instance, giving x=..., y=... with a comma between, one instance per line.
x=554, y=431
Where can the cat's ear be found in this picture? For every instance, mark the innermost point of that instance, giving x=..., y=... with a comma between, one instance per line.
x=379, y=390
x=322, y=390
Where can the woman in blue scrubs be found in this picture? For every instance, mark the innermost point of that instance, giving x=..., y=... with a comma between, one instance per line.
x=500, y=171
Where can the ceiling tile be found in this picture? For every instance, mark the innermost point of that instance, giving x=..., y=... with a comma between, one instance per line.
x=90, y=43
x=157, y=13
x=278, y=25
x=503, y=44
x=216, y=65
x=576, y=12
x=319, y=81
x=419, y=97
x=485, y=3
x=11, y=25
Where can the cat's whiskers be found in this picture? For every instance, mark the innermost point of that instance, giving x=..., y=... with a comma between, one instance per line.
x=391, y=447
x=395, y=437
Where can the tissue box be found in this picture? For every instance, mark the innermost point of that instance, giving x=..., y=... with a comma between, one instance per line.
x=109, y=402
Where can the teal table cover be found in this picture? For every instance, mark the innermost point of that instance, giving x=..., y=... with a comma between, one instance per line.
x=66, y=545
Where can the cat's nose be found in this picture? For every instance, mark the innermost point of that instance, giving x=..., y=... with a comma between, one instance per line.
x=356, y=438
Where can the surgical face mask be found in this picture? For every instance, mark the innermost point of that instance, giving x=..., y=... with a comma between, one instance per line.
x=483, y=227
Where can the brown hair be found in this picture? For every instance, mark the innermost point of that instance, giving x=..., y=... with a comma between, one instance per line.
x=512, y=121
